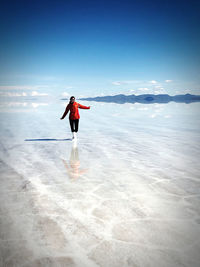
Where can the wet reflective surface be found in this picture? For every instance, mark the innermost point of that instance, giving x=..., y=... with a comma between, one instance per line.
x=126, y=194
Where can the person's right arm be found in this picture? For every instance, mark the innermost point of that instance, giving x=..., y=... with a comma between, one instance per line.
x=65, y=113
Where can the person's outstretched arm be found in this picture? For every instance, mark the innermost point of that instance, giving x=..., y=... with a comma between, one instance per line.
x=65, y=113
x=83, y=107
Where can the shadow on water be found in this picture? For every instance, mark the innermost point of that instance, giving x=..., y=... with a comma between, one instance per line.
x=48, y=139
x=73, y=164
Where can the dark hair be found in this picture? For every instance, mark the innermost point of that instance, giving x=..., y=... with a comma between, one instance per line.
x=72, y=97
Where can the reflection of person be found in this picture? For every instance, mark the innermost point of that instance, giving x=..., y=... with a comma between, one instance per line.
x=73, y=168
x=74, y=115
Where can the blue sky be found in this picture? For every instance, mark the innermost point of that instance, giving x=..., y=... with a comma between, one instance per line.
x=88, y=48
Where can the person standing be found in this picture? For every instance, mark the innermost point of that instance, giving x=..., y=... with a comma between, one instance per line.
x=74, y=115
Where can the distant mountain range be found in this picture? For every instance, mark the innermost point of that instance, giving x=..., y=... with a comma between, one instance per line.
x=145, y=98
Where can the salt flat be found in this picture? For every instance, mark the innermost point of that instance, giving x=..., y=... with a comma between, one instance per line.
x=127, y=194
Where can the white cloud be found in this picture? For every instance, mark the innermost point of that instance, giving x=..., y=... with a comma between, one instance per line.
x=158, y=110
x=117, y=83
x=9, y=94
x=158, y=92
x=14, y=104
x=168, y=81
x=38, y=77
x=167, y=116
x=153, y=115
x=65, y=94
x=21, y=94
x=22, y=104
x=35, y=105
x=125, y=82
x=83, y=96
x=153, y=82
x=143, y=89
x=22, y=87
x=35, y=93
x=159, y=106
x=143, y=108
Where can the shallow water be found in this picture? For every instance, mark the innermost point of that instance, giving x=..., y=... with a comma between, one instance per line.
x=127, y=194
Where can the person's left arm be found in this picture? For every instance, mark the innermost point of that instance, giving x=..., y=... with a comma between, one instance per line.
x=83, y=107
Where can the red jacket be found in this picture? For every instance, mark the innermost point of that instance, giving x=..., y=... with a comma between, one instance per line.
x=74, y=114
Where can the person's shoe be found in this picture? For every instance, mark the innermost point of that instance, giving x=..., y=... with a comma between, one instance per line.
x=73, y=135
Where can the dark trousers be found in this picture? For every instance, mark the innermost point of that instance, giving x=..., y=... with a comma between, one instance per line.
x=74, y=125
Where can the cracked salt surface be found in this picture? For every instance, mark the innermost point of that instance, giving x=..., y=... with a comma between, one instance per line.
x=127, y=194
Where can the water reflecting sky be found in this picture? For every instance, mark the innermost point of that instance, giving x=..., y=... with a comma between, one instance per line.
x=130, y=184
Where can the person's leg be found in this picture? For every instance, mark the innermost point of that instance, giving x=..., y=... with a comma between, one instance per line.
x=76, y=125
x=72, y=125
